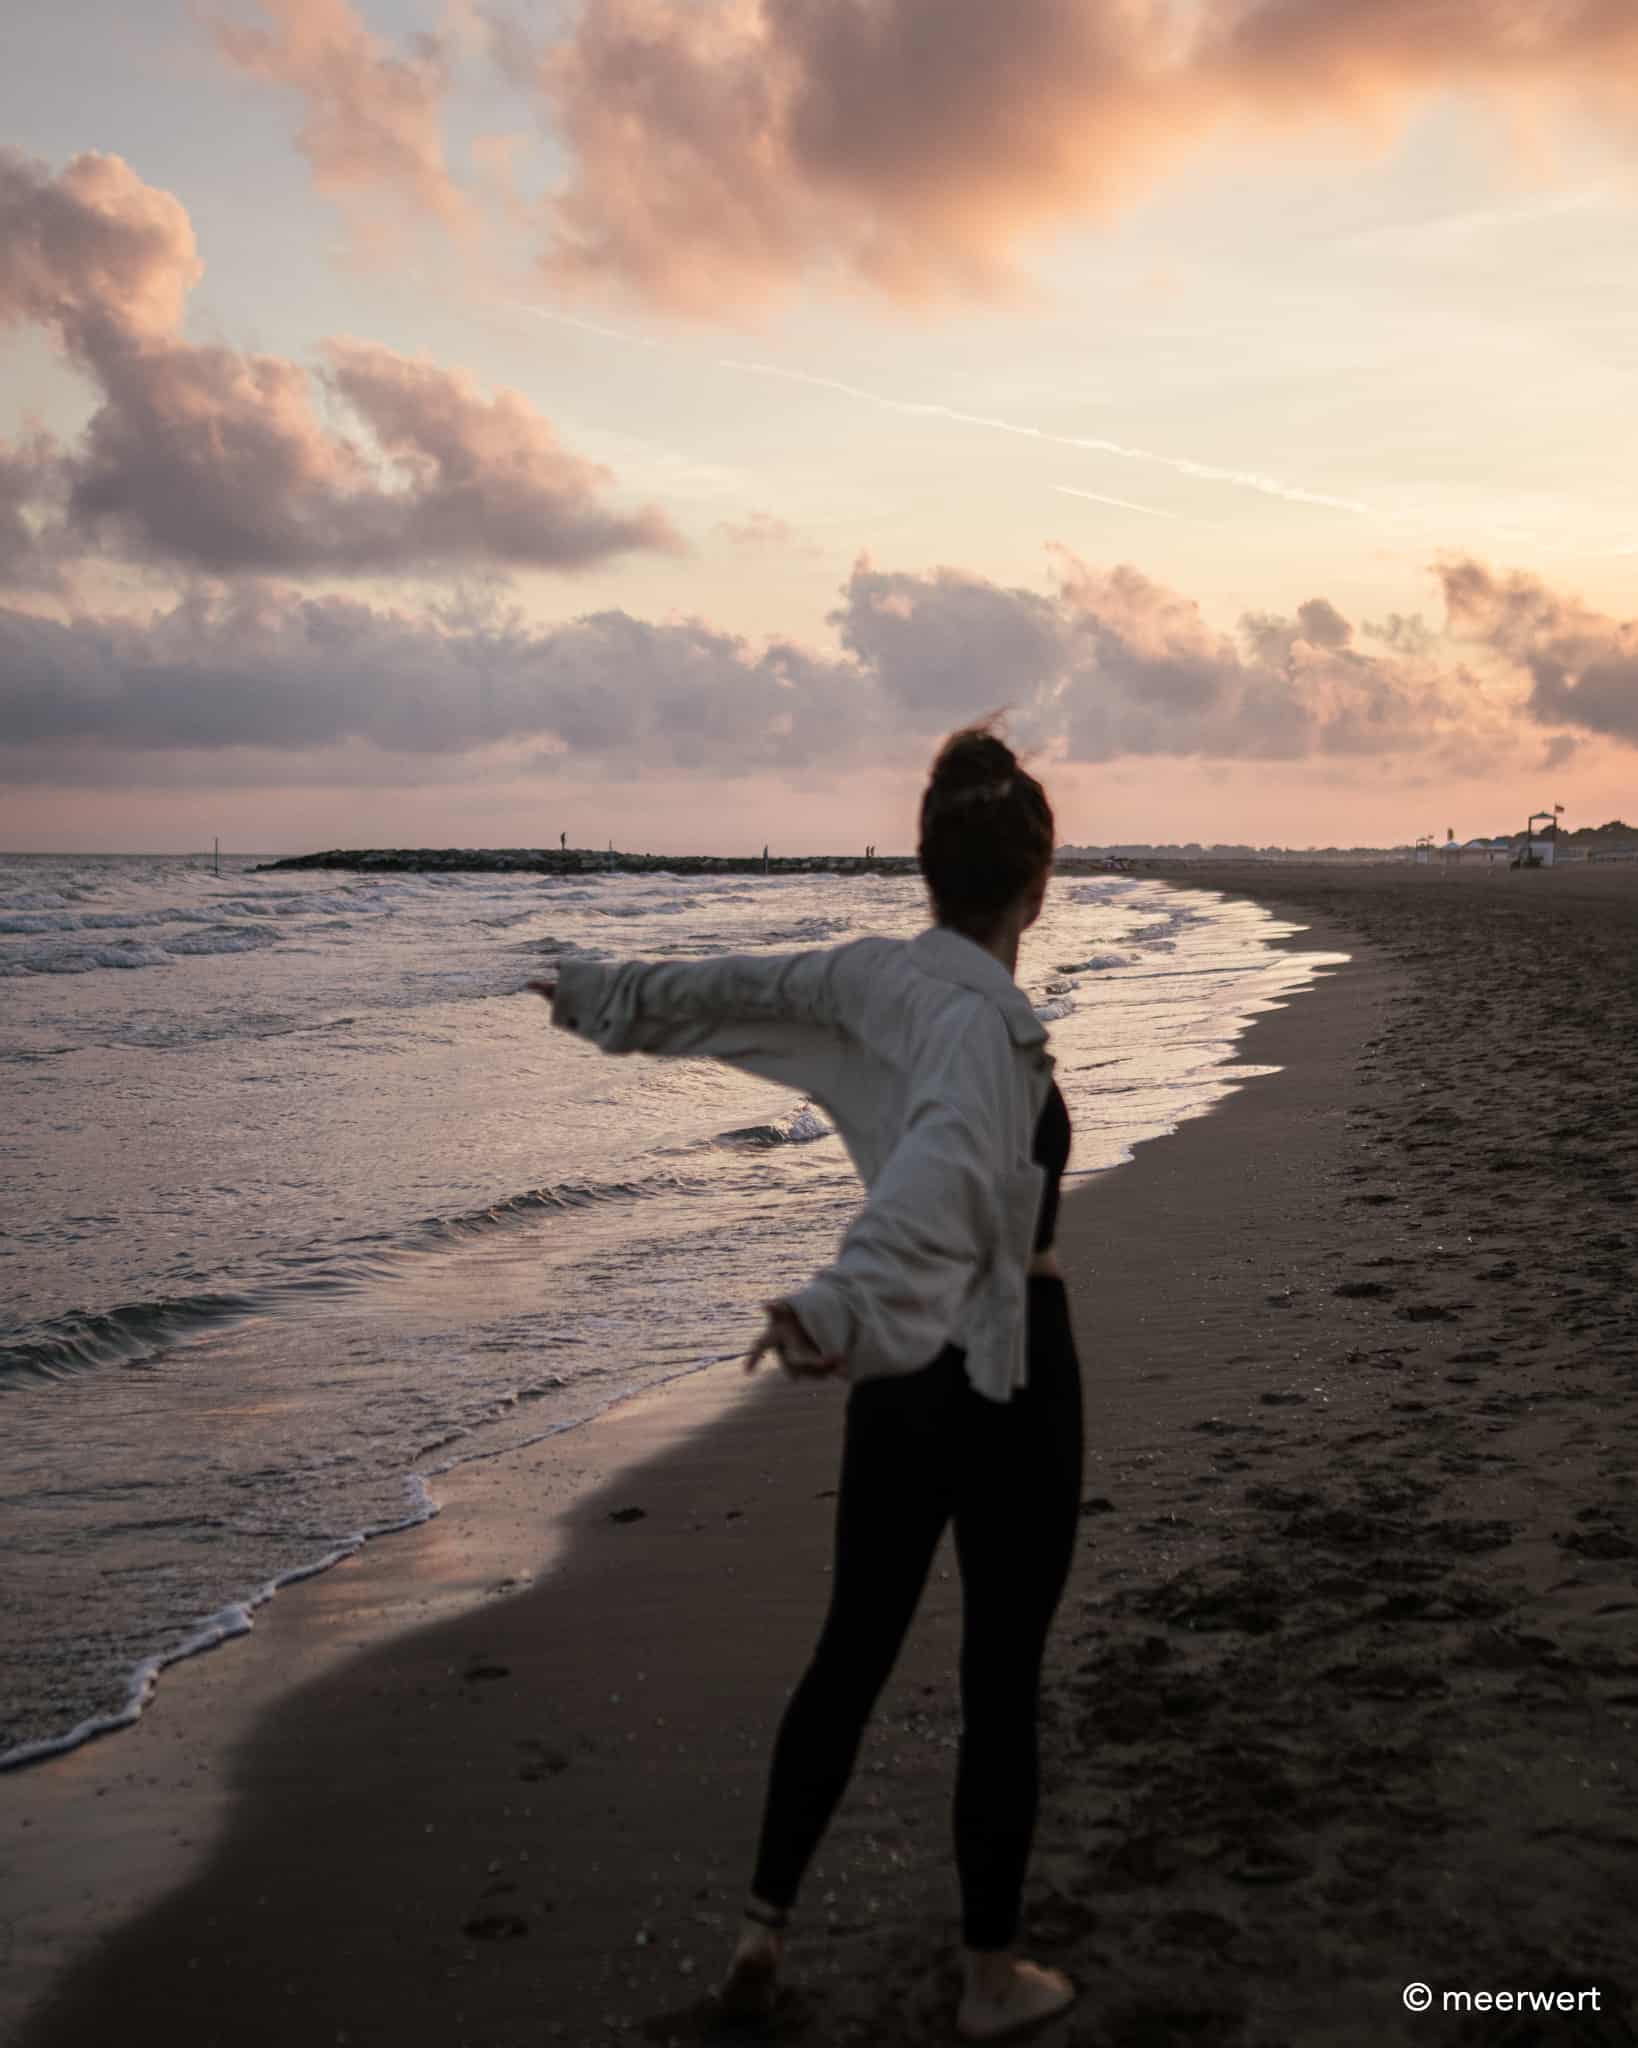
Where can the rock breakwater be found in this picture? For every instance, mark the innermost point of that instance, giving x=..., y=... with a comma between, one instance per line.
x=582, y=861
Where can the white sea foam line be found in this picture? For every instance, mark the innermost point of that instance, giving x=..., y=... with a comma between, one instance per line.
x=220, y=1627
x=236, y=1619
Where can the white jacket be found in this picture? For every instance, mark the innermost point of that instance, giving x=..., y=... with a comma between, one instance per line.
x=931, y=1063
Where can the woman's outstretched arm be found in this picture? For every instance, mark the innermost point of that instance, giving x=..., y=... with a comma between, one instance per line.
x=669, y=1006
x=783, y=1333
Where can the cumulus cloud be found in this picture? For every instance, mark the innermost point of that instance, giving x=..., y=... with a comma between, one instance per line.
x=721, y=150
x=1152, y=677
x=94, y=253
x=372, y=119
x=764, y=530
x=262, y=667
x=1582, y=665
x=947, y=646
x=1107, y=665
x=1114, y=664
x=32, y=486
x=220, y=460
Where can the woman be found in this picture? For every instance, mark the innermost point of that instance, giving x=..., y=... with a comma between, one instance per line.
x=946, y=1311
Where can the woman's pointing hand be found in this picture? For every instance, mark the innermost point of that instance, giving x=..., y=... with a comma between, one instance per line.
x=784, y=1335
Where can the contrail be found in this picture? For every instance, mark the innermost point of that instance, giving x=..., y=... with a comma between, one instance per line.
x=1125, y=504
x=1249, y=480
x=585, y=326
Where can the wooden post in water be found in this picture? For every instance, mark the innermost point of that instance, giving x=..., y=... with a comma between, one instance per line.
x=218, y=856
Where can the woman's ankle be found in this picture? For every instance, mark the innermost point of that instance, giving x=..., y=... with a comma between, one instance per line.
x=989, y=1970
x=759, y=1916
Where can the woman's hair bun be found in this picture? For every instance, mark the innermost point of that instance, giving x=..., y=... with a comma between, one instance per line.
x=974, y=760
x=987, y=831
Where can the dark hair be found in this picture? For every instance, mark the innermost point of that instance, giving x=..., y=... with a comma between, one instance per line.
x=986, y=830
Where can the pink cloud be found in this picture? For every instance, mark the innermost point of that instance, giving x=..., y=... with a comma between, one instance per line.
x=93, y=252
x=1149, y=675
x=764, y=530
x=216, y=459
x=33, y=485
x=1582, y=665
x=371, y=118
x=722, y=152
x=1109, y=665
x=949, y=645
x=249, y=665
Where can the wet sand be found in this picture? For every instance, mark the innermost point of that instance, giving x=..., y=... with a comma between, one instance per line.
x=1342, y=1695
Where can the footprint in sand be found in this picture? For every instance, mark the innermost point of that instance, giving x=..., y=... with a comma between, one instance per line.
x=495, y=1927
x=540, y=1761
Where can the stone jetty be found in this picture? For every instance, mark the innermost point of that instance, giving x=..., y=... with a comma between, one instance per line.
x=538, y=860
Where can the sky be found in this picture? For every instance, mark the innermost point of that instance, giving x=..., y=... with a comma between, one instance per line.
x=661, y=421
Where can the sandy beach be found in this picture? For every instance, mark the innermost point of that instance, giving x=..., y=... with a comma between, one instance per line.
x=1342, y=1697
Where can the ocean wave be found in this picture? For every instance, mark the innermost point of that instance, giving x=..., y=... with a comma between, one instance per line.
x=666, y=906
x=547, y=943
x=1096, y=963
x=16, y=922
x=83, y=959
x=34, y=899
x=40, y=921
x=140, y=1331
x=533, y=1203
x=298, y=905
x=230, y=939
x=117, y=1336
x=801, y=1126
x=806, y=931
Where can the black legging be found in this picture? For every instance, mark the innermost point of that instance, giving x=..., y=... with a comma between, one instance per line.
x=919, y=1449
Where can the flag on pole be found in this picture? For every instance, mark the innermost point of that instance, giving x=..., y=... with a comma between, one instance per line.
x=1557, y=808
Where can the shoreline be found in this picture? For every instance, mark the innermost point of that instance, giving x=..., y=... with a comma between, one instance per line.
x=234, y=1619
x=1340, y=1696
x=169, y=1776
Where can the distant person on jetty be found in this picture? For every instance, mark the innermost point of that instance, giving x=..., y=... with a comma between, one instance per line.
x=946, y=1311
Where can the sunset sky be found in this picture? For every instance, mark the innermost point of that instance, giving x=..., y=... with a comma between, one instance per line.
x=661, y=420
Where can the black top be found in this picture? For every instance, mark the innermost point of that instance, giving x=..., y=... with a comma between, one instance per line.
x=1051, y=1150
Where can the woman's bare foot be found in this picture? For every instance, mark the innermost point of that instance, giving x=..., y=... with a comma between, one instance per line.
x=1004, y=1995
x=749, y=1989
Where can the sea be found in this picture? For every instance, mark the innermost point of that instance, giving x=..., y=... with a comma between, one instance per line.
x=304, y=1203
